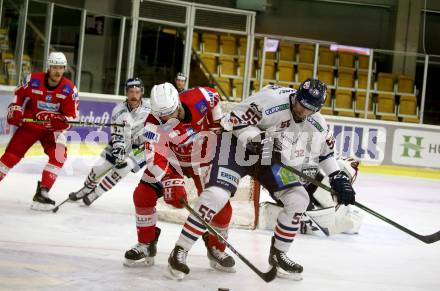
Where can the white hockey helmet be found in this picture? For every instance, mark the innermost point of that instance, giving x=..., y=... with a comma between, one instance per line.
x=164, y=99
x=350, y=166
x=56, y=59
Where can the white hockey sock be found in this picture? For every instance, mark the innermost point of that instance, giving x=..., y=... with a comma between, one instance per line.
x=295, y=201
x=211, y=201
x=112, y=178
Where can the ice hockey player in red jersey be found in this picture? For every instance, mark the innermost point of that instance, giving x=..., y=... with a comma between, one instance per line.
x=177, y=144
x=43, y=96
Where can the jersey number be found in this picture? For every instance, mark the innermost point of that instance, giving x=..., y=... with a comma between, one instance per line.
x=251, y=117
x=206, y=213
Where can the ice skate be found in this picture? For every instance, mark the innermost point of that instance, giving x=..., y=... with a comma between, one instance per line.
x=41, y=200
x=217, y=259
x=286, y=268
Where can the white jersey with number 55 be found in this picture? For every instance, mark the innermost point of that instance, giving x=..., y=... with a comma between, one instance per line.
x=269, y=110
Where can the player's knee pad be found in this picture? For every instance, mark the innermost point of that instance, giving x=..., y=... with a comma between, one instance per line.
x=57, y=155
x=295, y=200
x=144, y=196
x=212, y=200
x=223, y=217
x=9, y=159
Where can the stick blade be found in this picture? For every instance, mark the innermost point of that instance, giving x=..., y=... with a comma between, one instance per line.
x=270, y=275
x=429, y=239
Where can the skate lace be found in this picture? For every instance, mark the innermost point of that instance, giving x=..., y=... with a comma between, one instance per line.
x=219, y=254
x=181, y=255
x=141, y=248
x=287, y=260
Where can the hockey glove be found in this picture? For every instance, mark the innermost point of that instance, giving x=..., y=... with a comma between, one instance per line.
x=119, y=152
x=173, y=190
x=15, y=115
x=340, y=183
x=59, y=122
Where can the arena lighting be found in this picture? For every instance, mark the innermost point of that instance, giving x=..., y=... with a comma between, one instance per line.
x=271, y=45
x=351, y=49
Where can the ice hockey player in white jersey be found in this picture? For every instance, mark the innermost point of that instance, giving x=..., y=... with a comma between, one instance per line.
x=124, y=153
x=274, y=127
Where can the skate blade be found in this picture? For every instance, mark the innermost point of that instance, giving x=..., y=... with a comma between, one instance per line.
x=286, y=275
x=37, y=206
x=215, y=265
x=146, y=262
x=175, y=274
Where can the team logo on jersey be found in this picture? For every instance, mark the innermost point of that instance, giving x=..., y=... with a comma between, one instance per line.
x=49, y=98
x=283, y=176
x=48, y=106
x=35, y=83
x=201, y=106
x=66, y=89
x=315, y=123
x=229, y=176
x=277, y=108
x=151, y=136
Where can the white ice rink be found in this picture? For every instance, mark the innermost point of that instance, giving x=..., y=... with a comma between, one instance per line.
x=82, y=248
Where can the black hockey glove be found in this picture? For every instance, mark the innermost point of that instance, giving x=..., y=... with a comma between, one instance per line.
x=341, y=184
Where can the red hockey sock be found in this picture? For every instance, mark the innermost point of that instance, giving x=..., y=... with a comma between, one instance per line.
x=221, y=223
x=144, y=198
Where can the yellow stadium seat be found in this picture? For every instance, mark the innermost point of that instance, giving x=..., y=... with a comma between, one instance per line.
x=386, y=108
x=238, y=89
x=326, y=75
x=196, y=42
x=362, y=78
x=346, y=59
x=210, y=42
x=242, y=46
x=224, y=87
x=363, y=62
x=227, y=66
x=346, y=77
x=385, y=82
x=405, y=84
x=344, y=103
x=241, y=68
x=360, y=105
x=306, y=53
x=286, y=72
x=287, y=51
x=210, y=63
x=228, y=45
x=269, y=70
x=326, y=56
x=408, y=105
x=327, y=108
x=304, y=72
x=411, y=119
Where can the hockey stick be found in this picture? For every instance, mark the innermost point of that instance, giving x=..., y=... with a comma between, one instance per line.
x=75, y=123
x=431, y=238
x=56, y=208
x=324, y=230
x=266, y=276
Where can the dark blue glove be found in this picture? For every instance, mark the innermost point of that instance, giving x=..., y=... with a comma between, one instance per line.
x=341, y=184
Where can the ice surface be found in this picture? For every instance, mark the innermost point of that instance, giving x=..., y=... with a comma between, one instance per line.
x=82, y=248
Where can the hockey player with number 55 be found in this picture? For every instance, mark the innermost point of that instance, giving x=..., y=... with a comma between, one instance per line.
x=274, y=127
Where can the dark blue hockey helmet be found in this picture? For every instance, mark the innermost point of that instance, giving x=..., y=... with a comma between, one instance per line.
x=311, y=94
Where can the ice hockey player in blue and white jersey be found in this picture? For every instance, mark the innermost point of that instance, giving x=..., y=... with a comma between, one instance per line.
x=124, y=153
x=274, y=127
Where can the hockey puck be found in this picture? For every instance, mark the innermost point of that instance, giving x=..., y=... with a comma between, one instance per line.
x=223, y=289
